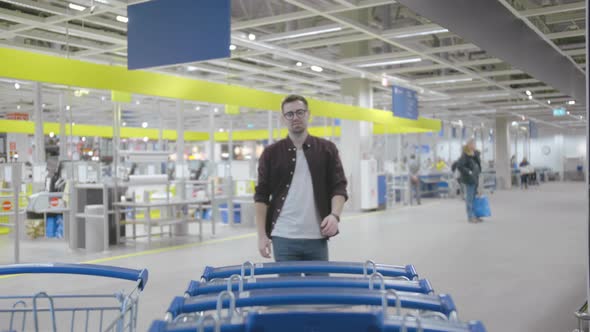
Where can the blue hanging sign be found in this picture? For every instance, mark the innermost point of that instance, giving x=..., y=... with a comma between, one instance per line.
x=405, y=103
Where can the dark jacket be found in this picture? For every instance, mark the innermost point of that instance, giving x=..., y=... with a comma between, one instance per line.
x=470, y=168
x=275, y=173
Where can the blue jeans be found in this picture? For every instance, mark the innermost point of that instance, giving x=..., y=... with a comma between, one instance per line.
x=299, y=249
x=470, y=192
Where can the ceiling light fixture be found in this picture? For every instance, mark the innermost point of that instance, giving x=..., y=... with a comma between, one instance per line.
x=252, y=36
x=191, y=68
x=18, y=107
x=299, y=64
x=303, y=34
x=423, y=33
x=457, y=80
x=144, y=124
x=221, y=130
x=137, y=102
x=51, y=134
x=124, y=124
x=549, y=102
x=68, y=107
x=528, y=93
x=198, y=108
x=122, y=19
x=17, y=86
x=73, y=124
x=491, y=95
x=232, y=47
x=317, y=69
x=571, y=102
x=530, y=97
x=568, y=113
x=77, y=7
x=145, y=139
x=216, y=110
x=391, y=62
x=83, y=139
x=103, y=98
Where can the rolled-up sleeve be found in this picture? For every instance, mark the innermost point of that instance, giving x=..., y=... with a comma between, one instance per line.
x=262, y=194
x=337, y=183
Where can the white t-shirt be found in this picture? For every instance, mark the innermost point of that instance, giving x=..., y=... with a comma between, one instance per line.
x=299, y=218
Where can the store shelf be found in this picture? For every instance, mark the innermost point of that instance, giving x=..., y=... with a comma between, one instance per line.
x=160, y=204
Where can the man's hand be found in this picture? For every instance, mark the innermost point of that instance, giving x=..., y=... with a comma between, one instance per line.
x=329, y=226
x=264, y=246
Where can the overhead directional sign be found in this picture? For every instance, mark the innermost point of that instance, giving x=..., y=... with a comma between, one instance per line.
x=169, y=32
x=405, y=103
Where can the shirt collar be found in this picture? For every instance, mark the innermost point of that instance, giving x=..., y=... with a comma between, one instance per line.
x=306, y=144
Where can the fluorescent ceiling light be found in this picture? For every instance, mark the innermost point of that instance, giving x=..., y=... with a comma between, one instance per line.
x=145, y=139
x=423, y=33
x=122, y=19
x=549, y=102
x=144, y=124
x=51, y=134
x=530, y=97
x=191, y=68
x=124, y=124
x=102, y=1
x=449, y=81
x=304, y=34
x=197, y=108
x=521, y=106
x=528, y=93
x=491, y=95
x=299, y=64
x=232, y=47
x=317, y=69
x=221, y=130
x=83, y=139
x=77, y=7
x=68, y=107
x=17, y=86
x=252, y=36
x=391, y=62
x=571, y=102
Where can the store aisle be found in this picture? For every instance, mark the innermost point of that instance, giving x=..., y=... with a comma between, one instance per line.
x=520, y=271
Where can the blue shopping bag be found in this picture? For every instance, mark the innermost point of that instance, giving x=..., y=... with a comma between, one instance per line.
x=481, y=207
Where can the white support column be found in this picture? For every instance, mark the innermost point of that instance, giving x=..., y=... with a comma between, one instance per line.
x=161, y=129
x=63, y=153
x=181, y=165
x=229, y=177
x=211, y=154
x=357, y=144
x=503, y=167
x=39, y=151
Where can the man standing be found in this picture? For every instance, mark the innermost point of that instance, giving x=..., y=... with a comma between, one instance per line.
x=301, y=190
x=414, y=169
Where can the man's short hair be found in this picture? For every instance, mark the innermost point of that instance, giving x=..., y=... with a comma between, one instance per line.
x=292, y=98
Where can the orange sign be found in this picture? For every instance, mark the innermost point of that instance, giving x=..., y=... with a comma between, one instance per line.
x=6, y=205
x=54, y=201
x=12, y=146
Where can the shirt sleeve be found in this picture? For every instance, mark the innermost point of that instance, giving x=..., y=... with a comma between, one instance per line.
x=262, y=194
x=337, y=179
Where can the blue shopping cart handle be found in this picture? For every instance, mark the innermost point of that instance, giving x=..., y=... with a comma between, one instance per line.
x=80, y=269
x=196, y=288
x=314, y=296
x=407, y=271
x=322, y=322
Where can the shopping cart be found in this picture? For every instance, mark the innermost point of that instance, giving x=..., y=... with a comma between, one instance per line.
x=318, y=322
x=89, y=312
x=249, y=269
x=337, y=296
x=374, y=281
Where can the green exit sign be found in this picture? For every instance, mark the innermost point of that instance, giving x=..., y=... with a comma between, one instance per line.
x=559, y=112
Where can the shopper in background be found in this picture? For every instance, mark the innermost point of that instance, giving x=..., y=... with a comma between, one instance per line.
x=301, y=190
x=469, y=165
x=525, y=173
x=414, y=168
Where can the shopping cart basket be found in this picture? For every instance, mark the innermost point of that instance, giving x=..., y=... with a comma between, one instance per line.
x=84, y=312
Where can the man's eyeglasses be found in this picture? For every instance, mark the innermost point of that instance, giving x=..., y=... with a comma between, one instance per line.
x=291, y=115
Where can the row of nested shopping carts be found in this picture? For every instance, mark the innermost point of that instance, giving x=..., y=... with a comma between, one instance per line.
x=265, y=297
x=312, y=296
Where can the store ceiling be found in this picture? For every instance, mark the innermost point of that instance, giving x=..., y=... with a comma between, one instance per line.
x=458, y=79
